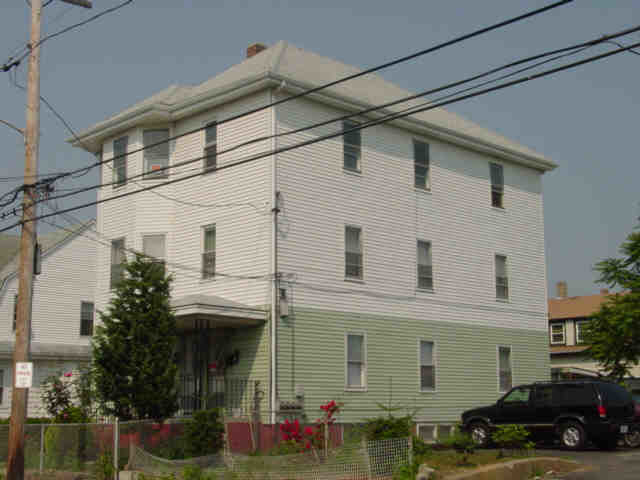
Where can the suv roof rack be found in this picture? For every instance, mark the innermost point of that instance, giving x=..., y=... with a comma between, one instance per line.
x=575, y=380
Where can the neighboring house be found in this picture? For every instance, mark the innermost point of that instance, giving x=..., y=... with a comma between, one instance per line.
x=567, y=318
x=403, y=261
x=63, y=310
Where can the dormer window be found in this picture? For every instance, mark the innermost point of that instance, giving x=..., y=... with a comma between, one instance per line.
x=156, y=157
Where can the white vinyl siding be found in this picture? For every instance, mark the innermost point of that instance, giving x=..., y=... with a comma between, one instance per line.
x=120, y=161
x=352, y=146
x=356, y=366
x=502, y=277
x=427, y=366
x=505, y=372
x=86, y=318
x=353, y=268
x=118, y=258
x=557, y=333
x=154, y=246
x=209, y=252
x=425, y=266
x=211, y=146
x=421, y=165
x=156, y=158
x=497, y=185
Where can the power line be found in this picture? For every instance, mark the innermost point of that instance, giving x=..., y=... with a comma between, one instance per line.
x=562, y=52
x=345, y=79
x=359, y=127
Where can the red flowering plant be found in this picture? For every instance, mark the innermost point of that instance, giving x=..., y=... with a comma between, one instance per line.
x=311, y=438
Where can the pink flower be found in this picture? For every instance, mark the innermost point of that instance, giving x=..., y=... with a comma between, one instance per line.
x=68, y=374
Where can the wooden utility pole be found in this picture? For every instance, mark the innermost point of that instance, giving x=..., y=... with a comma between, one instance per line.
x=21, y=353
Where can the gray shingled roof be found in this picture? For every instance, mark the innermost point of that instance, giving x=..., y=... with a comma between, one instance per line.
x=302, y=69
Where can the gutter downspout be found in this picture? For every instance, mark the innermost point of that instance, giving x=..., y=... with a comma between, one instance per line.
x=274, y=264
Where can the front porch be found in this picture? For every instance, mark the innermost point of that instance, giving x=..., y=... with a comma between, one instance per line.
x=220, y=354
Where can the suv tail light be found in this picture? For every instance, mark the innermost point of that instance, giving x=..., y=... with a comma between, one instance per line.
x=602, y=411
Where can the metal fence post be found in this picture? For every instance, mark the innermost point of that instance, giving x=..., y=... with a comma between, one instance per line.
x=116, y=448
x=41, y=447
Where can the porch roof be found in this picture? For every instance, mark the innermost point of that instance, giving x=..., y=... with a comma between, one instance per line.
x=220, y=310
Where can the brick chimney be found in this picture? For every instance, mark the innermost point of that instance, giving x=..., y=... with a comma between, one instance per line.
x=604, y=291
x=255, y=48
x=562, y=289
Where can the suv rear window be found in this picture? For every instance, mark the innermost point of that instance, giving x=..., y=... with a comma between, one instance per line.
x=569, y=394
x=614, y=395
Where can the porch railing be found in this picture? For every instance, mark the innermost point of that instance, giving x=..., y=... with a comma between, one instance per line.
x=233, y=394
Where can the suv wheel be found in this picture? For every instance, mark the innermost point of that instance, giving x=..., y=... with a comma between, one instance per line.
x=572, y=435
x=479, y=432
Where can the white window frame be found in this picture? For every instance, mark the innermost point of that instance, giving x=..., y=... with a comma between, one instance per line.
x=347, y=387
x=115, y=167
x=205, y=228
x=508, y=277
x=427, y=185
x=564, y=333
x=436, y=430
x=362, y=254
x=93, y=319
x=494, y=187
x=498, y=347
x=162, y=174
x=15, y=313
x=434, y=360
x=353, y=123
x=579, y=326
x=111, y=264
x=424, y=289
x=208, y=123
x=164, y=259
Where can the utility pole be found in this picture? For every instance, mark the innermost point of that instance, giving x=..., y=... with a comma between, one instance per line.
x=22, y=353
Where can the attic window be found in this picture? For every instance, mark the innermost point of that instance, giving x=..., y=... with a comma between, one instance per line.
x=156, y=157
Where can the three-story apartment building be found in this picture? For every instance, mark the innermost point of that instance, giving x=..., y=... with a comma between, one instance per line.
x=405, y=259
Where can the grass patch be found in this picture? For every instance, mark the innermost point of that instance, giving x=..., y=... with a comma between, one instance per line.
x=446, y=462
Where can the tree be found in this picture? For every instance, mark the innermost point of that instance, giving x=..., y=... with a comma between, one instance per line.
x=614, y=332
x=134, y=348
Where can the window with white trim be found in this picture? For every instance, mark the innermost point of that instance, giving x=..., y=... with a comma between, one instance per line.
x=421, y=165
x=154, y=247
x=580, y=331
x=120, y=161
x=15, y=312
x=502, y=278
x=209, y=252
x=497, y=185
x=356, y=361
x=505, y=375
x=557, y=334
x=427, y=366
x=425, y=266
x=211, y=146
x=352, y=146
x=118, y=260
x=156, y=158
x=353, y=252
x=86, y=319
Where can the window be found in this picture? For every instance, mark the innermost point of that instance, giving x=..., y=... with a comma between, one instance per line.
x=210, y=145
x=580, y=331
x=86, y=319
x=504, y=369
x=118, y=259
x=557, y=333
x=209, y=252
x=425, y=267
x=502, y=278
x=427, y=433
x=1, y=387
x=353, y=252
x=518, y=395
x=421, y=165
x=157, y=157
x=356, y=365
x=154, y=247
x=427, y=366
x=352, y=146
x=120, y=161
x=497, y=185
x=15, y=312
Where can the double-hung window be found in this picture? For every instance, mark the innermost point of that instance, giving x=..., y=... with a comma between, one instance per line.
x=502, y=278
x=120, y=161
x=421, y=165
x=211, y=146
x=425, y=266
x=556, y=332
x=353, y=253
x=156, y=157
x=86, y=318
x=505, y=377
x=427, y=366
x=118, y=259
x=580, y=331
x=209, y=252
x=356, y=362
x=497, y=185
x=352, y=142
x=15, y=312
x=153, y=246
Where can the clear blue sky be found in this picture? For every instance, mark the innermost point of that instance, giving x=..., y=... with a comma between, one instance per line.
x=584, y=119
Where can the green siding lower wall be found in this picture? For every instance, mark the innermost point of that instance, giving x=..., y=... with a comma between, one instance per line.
x=311, y=355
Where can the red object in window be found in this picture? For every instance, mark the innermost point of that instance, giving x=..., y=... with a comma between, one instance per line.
x=602, y=411
x=213, y=366
x=155, y=167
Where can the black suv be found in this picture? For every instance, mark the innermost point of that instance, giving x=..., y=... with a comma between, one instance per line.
x=573, y=411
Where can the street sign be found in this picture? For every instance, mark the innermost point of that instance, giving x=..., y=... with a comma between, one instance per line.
x=24, y=374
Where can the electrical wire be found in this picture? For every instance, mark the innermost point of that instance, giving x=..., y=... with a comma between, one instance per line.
x=359, y=127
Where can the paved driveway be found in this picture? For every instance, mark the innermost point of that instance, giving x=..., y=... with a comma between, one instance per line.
x=621, y=464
